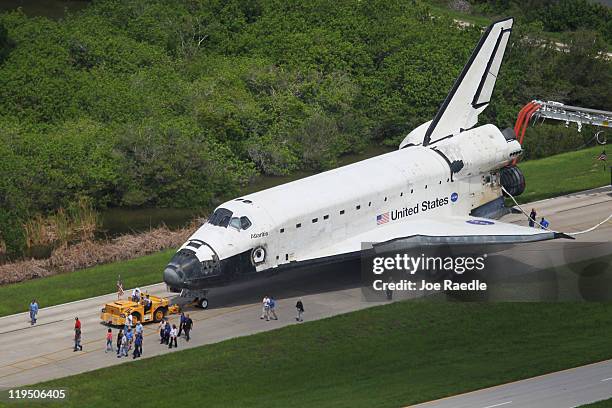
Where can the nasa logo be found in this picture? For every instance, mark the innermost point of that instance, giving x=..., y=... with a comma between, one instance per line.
x=480, y=222
x=454, y=197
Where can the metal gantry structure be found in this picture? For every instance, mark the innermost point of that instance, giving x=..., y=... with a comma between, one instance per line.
x=565, y=113
x=574, y=114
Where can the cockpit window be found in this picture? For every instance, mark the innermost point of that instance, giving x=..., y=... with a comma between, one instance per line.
x=245, y=223
x=235, y=223
x=221, y=217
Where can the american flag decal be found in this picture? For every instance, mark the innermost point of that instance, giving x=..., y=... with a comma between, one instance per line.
x=382, y=218
x=603, y=156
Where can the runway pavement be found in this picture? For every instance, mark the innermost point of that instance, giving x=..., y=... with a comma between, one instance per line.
x=44, y=351
x=569, y=388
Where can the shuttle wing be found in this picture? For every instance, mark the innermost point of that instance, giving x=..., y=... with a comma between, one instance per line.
x=450, y=230
x=472, y=91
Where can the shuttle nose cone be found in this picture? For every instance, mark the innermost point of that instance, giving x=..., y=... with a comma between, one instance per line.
x=171, y=278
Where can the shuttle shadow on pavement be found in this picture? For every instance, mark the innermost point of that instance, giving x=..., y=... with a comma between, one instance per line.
x=301, y=281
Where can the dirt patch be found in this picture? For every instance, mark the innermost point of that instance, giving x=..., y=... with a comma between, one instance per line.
x=68, y=258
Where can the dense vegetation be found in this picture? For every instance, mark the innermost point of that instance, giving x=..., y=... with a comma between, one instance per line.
x=179, y=103
x=388, y=356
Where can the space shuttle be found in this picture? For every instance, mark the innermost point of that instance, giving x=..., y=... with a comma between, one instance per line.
x=443, y=185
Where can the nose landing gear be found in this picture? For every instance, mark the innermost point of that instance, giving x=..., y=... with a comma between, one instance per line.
x=197, y=297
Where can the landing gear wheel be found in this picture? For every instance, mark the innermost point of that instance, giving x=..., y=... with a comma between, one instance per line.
x=203, y=303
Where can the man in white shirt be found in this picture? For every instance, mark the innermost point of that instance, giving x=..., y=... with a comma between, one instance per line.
x=265, y=308
x=162, y=327
x=129, y=320
x=136, y=295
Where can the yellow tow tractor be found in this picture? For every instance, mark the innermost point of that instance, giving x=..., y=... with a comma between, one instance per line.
x=116, y=312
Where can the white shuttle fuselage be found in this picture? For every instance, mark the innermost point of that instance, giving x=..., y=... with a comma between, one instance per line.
x=441, y=183
x=293, y=220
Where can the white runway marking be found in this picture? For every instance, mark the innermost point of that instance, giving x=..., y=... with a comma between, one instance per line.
x=498, y=405
x=606, y=379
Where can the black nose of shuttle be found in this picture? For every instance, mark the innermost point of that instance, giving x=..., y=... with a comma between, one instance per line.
x=172, y=278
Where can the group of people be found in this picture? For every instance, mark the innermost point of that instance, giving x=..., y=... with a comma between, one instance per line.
x=169, y=334
x=544, y=223
x=126, y=340
x=268, y=309
x=131, y=336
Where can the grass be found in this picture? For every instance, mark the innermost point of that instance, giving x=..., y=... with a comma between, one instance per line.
x=600, y=404
x=387, y=356
x=83, y=284
x=571, y=172
x=563, y=174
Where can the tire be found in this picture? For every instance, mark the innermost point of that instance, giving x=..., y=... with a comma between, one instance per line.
x=159, y=314
x=203, y=303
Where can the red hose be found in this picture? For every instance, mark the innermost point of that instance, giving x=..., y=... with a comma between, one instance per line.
x=526, y=119
x=519, y=119
x=522, y=122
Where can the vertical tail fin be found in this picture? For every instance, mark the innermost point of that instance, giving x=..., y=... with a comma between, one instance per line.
x=471, y=93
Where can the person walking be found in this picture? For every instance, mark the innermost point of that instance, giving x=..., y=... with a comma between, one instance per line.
x=162, y=329
x=265, y=305
x=167, y=332
x=124, y=347
x=33, y=312
x=532, y=217
x=129, y=321
x=181, y=324
x=119, y=339
x=77, y=340
x=137, y=346
x=109, y=341
x=299, y=306
x=129, y=335
x=272, y=303
x=173, y=336
x=187, y=326
x=139, y=328
x=544, y=223
x=77, y=334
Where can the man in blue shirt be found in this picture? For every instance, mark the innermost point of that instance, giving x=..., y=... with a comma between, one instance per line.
x=129, y=336
x=167, y=330
x=33, y=311
x=137, y=346
x=273, y=308
x=544, y=223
